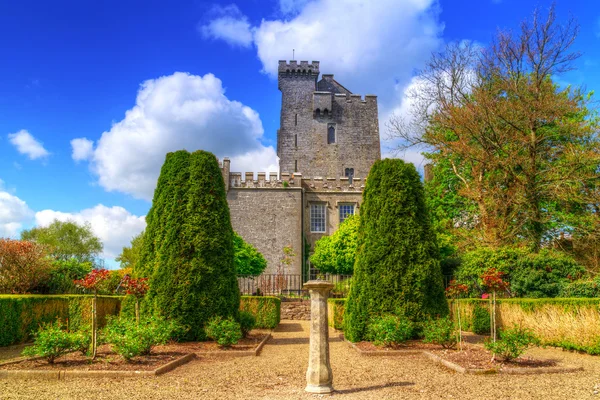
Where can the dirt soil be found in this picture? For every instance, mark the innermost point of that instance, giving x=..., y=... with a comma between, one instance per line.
x=478, y=358
x=280, y=373
x=409, y=345
x=246, y=344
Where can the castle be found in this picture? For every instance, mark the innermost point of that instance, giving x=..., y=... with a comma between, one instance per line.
x=327, y=142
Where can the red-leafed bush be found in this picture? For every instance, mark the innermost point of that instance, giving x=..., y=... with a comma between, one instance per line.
x=93, y=280
x=492, y=279
x=135, y=287
x=24, y=266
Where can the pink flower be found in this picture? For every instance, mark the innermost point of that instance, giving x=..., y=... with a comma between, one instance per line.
x=485, y=296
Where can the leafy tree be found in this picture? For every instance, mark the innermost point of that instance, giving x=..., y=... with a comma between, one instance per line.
x=188, y=245
x=64, y=272
x=130, y=255
x=397, y=268
x=248, y=261
x=335, y=254
x=66, y=240
x=524, y=150
x=24, y=266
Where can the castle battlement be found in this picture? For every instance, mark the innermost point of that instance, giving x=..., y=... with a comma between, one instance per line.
x=293, y=67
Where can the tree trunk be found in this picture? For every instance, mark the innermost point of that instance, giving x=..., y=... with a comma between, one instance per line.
x=94, y=327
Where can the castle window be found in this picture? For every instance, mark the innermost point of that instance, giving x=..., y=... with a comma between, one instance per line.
x=317, y=218
x=296, y=120
x=331, y=135
x=295, y=165
x=349, y=173
x=295, y=140
x=345, y=211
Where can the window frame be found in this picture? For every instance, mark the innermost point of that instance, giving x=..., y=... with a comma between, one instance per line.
x=313, y=216
x=340, y=208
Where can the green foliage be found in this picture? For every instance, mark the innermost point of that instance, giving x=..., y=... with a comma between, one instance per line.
x=581, y=288
x=130, y=255
x=534, y=275
x=480, y=323
x=440, y=331
x=397, y=268
x=248, y=261
x=247, y=322
x=336, y=254
x=265, y=309
x=389, y=330
x=187, y=250
x=335, y=314
x=66, y=240
x=52, y=341
x=342, y=287
x=81, y=340
x=64, y=272
x=512, y=343
x=21, y=315
x=224, y=331
x=130, y=339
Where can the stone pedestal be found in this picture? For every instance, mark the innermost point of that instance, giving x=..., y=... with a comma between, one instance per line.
x=318, y=376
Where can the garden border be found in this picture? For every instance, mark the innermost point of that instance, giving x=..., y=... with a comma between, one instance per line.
x=234, y=353
x=64, y=374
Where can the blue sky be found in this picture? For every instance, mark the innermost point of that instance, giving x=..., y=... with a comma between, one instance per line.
x=93, y=94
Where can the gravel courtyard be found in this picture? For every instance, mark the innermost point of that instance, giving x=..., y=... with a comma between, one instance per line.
x=278, y=373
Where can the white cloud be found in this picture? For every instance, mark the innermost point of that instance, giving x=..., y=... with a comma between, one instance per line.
x=13, y=213
x=229, y=25
x=115, y=226
x=82, y=149
x=179, y=111
x=28, y=145
x=292, y=6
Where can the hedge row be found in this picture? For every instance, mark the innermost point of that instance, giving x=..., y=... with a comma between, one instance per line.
x=335, y=313
x=266, y=310
x=21, y=315
x=570, y=323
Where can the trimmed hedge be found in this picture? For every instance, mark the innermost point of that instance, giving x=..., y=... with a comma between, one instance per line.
x=21, y=315
x=335, y=313
x=266, y=310
x=569, y=323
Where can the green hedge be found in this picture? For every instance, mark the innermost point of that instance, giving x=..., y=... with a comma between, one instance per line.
x=569, y=323
x=21, y=315
x=266, y=310
x=335, y=313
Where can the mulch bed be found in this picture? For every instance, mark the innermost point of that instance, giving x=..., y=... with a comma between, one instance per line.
x=409, y=345
x=246, y=344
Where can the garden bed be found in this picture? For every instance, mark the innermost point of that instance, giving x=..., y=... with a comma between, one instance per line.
x=248, y=346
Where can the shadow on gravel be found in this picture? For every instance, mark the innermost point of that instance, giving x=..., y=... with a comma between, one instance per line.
x=376, y=387
x=302, y=340
x=289, y=327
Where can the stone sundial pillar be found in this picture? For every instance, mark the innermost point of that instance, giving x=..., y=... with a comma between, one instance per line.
x=319, y=378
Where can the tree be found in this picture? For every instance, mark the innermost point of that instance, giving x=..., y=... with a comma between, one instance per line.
x=397, y=268
x=335, y=254
x=248, y=261
x=24, y=266
x=66, y=240
x=522, y=148
x=130, y=255
x=188, y=245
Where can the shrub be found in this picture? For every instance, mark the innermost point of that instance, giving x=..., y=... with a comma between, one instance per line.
x=342, y=288
x=335, y=313
x=335, y=254
x=397, y=268
x=187, y=250
x=82, y=340
x=130, y=339
x=224, y=331
x=247, y=260
x=266, y=310
x=581, y=288
x=51, y=341
x=64, y=272
x=440, y=331
x=481, y=320
x=24, y=266
x=529, y=274
x=247, y=322
x=389, y=330
x=512, y=343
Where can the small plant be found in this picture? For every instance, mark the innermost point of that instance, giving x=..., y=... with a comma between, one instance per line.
x=130, y=339
x=224, y=331
x=247, y=322
x=138, y=289
x=50, y=342
x=492, y=279
x=389, y=330
x=481, y=320
x=440, y=331
x=82, y=340
x=512, y=343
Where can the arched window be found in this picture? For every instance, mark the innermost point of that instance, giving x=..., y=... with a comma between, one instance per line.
x=331, y=135
x=349, y=173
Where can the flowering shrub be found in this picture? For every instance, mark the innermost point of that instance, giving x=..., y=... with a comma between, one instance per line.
x=135, y=287
x=456, y=290
x=440, y=331
x=93, y=280
x=23, y=266
x=512, y=343
x=492, y=279
x=224, y=331
x=390, y=330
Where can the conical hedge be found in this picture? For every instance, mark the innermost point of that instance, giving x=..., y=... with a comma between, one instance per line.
x=188, y=247
x=397, y=268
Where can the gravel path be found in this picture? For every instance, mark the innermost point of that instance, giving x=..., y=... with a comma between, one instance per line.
x=279, y=373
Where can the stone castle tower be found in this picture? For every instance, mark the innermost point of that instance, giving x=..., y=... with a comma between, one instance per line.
x=327, y=142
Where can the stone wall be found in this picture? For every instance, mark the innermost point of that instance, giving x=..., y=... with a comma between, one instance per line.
x=299, y=310
x=269, y=219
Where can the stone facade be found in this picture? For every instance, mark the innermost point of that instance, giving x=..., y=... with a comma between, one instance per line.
x=298, y=310
x=327, y=143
